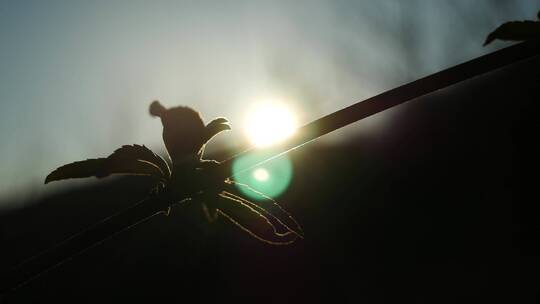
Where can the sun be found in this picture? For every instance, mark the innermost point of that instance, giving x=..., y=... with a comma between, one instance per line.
x=269, y=122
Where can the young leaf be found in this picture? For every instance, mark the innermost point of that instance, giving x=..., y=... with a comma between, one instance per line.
x=131, y=160
x=183, y=131
x=516, y=31
x=215, y=127
x=265, y=220
x=212, y=129
x=252, y=221
x=268, y=206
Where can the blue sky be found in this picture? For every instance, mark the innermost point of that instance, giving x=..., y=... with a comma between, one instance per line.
x=76, y=77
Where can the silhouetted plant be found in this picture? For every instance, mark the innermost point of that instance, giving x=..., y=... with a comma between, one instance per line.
x=185, y=137
x=516, y=31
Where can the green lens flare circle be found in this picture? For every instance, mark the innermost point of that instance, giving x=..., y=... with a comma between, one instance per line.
x=271, y=178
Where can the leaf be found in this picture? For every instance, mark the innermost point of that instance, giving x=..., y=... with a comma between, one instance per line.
x=85, y=168
x=269, y=206
x=252, y=221
x=264, y=220
x=141, y=153
x=215, y=127
x=130, y=160
x=183, y=131
x=516, y=31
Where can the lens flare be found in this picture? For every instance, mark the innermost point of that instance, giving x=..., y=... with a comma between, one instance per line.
x=271, y=178
x=268, y=123
x=261, y=174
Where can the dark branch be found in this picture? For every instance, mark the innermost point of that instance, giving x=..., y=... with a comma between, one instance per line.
x=392, y=98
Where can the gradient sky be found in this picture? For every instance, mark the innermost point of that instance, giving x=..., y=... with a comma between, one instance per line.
x=76, y=77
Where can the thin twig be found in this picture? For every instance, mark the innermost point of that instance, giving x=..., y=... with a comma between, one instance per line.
x=51, y=258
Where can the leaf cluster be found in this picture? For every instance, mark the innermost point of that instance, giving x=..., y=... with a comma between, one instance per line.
x=185, y=137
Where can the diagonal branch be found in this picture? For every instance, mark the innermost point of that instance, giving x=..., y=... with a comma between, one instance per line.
x=391, y=98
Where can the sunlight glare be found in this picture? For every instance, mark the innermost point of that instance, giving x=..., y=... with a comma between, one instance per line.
x=268, y=123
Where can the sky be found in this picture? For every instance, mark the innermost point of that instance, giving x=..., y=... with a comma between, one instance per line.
x=77, y=77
